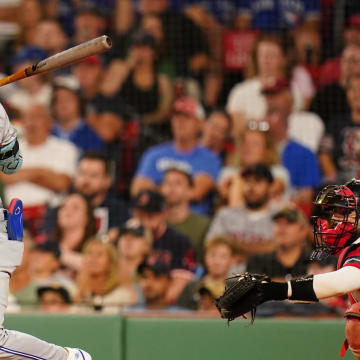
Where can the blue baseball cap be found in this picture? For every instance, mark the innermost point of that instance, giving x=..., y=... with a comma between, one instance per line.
x=30, y=54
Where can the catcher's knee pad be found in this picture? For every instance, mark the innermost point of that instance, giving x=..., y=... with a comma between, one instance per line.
x=352, y=329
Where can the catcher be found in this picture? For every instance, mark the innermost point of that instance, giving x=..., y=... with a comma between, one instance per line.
x=336, y=232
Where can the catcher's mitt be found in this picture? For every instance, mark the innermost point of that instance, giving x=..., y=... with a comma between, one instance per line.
x=243, y=293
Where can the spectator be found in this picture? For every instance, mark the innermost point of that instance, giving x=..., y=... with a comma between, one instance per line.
x=276, y=16
x=299, y=122
x=50, y=37
x=31, y=90
x=331, y=99
x=45, y=267
x=63, y=11
x=250, y=224
x=289, y=260
x=98, y=279
x=74, y=226
x=245, y=101
x=49, y=164
x=90, y=22
x=153, y=25
x=253, y=147
x=137, y=84
x=176, y=189
x=184, y=41
x=184, y=153
x=216, y=132
x=67, y=107
x=214, y=18
x=89, y=73
x=29, y=14
x=290, y=257
x=340, y=152
x=298, y=160
x=121, y=139
x=154, y=281
x=219, y=258
x=308, y=47
x=93, y=179
x=108, y=119
x=133, y=245
x=54, y=298
x=331, y=69
x=40, y=267
x=169, y=246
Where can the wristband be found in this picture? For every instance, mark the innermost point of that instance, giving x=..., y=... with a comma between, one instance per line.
x=302, y=289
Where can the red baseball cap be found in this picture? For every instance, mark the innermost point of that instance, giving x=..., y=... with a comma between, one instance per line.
x=189, y=106
x=93, y=60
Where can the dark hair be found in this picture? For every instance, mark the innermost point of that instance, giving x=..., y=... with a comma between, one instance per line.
x=81, y=102
x=90, y=229
x=223, y=113
x=182, y=172
x=99, y=156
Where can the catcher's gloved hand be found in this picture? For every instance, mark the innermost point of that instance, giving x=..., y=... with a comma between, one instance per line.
x=243, y=293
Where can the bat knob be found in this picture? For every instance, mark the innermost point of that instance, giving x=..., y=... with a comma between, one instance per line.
x=108, y=41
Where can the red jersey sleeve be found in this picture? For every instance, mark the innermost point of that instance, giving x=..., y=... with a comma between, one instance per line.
x=352, y=259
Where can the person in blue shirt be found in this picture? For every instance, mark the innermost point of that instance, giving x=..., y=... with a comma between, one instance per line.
x=184, y=153
x=300, y=161
x=280, y=15
x=69, y=121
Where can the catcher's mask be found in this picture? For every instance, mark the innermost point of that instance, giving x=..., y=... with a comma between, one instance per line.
x=336, y=218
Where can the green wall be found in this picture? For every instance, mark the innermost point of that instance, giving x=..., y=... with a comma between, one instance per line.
x=100, y=335
x=136, y=338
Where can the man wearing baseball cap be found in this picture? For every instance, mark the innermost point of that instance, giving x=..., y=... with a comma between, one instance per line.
x=168, y=245
x=249, y=225
x=291, y=256
x=184, y=152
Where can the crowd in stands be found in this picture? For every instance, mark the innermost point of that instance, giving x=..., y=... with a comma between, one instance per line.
x=191, y=150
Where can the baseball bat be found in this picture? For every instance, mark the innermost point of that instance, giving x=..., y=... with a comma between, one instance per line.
x=64, y=58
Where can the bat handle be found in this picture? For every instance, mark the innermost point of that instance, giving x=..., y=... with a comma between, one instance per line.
x=14, y=77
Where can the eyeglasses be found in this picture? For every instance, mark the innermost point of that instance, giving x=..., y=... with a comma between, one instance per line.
x=258, y=125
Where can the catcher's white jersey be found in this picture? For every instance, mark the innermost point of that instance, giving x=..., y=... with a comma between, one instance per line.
x=7, y=131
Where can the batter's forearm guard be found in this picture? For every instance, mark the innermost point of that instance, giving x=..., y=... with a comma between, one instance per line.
x=10, y=157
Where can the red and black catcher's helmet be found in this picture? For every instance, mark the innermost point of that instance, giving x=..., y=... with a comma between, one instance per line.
x=337, y=212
